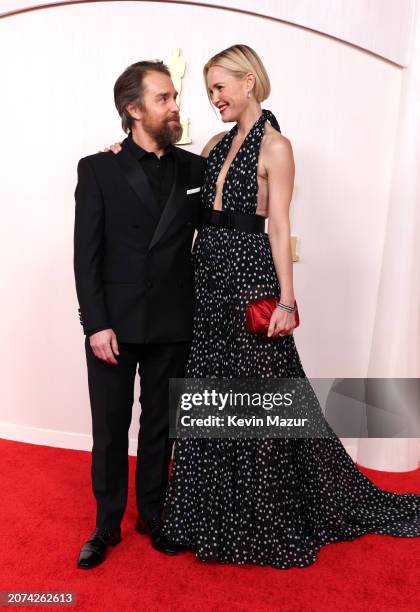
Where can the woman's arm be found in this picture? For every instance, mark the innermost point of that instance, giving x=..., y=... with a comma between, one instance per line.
x=279, y=164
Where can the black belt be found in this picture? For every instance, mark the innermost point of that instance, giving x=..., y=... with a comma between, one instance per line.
x=234, y=220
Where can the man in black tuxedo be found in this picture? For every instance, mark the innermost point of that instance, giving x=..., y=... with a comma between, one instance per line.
x=135, y=217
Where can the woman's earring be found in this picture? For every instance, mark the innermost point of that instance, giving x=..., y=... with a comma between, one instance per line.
x=249, y=94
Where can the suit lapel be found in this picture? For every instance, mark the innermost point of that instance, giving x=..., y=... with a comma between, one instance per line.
x=137, y=179
x=176, y=198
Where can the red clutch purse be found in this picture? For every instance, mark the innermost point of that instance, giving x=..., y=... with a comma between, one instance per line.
x=258, y=315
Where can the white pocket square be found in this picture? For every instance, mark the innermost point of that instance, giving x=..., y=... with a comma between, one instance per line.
x=195, y=190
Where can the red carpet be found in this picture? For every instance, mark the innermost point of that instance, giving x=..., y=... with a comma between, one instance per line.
x=48, y=511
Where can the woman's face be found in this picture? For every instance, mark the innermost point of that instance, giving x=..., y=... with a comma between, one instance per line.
x=227, y=93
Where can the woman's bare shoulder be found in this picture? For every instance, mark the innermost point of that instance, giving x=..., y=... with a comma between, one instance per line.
x=212, y=143
x=274, y=140
x=275, y=146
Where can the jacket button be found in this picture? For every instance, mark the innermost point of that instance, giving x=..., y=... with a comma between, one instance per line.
x=135, y=225
x=149, y=284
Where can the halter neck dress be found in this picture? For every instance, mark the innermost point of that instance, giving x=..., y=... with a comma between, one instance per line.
x=251, y=500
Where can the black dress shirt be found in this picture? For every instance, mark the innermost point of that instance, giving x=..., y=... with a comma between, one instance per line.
x=160, y=173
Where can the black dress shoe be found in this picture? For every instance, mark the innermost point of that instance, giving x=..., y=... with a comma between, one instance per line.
x=153, y=527
x=93, y=551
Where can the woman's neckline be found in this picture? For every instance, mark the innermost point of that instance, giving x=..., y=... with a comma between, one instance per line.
x=234, y=129
x=231, y=165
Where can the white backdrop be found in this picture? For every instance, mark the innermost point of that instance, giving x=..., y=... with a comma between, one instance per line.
x=339, y=106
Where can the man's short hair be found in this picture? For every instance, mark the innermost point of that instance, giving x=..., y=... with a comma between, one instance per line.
x=129, y=88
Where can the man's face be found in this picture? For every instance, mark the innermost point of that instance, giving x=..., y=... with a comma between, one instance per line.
x=159, y=110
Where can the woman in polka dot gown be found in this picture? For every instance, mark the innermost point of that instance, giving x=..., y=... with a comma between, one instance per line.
x=260, y=501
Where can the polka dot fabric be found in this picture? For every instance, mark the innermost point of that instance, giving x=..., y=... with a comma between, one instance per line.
x=261, y=501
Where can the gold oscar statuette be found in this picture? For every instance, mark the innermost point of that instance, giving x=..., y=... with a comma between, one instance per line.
x=176, y=65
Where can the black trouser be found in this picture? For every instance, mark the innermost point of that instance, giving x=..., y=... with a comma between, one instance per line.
x=111, y=390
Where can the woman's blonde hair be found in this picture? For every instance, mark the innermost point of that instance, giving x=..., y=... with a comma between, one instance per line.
x=239, y=60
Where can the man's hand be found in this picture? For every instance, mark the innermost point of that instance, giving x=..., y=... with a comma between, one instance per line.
x=104, y=345
x=115, y=148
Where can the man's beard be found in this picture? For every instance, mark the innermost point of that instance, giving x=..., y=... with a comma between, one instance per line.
x=161, y=132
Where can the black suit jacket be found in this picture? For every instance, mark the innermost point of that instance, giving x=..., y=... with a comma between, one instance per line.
x=132, y=265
